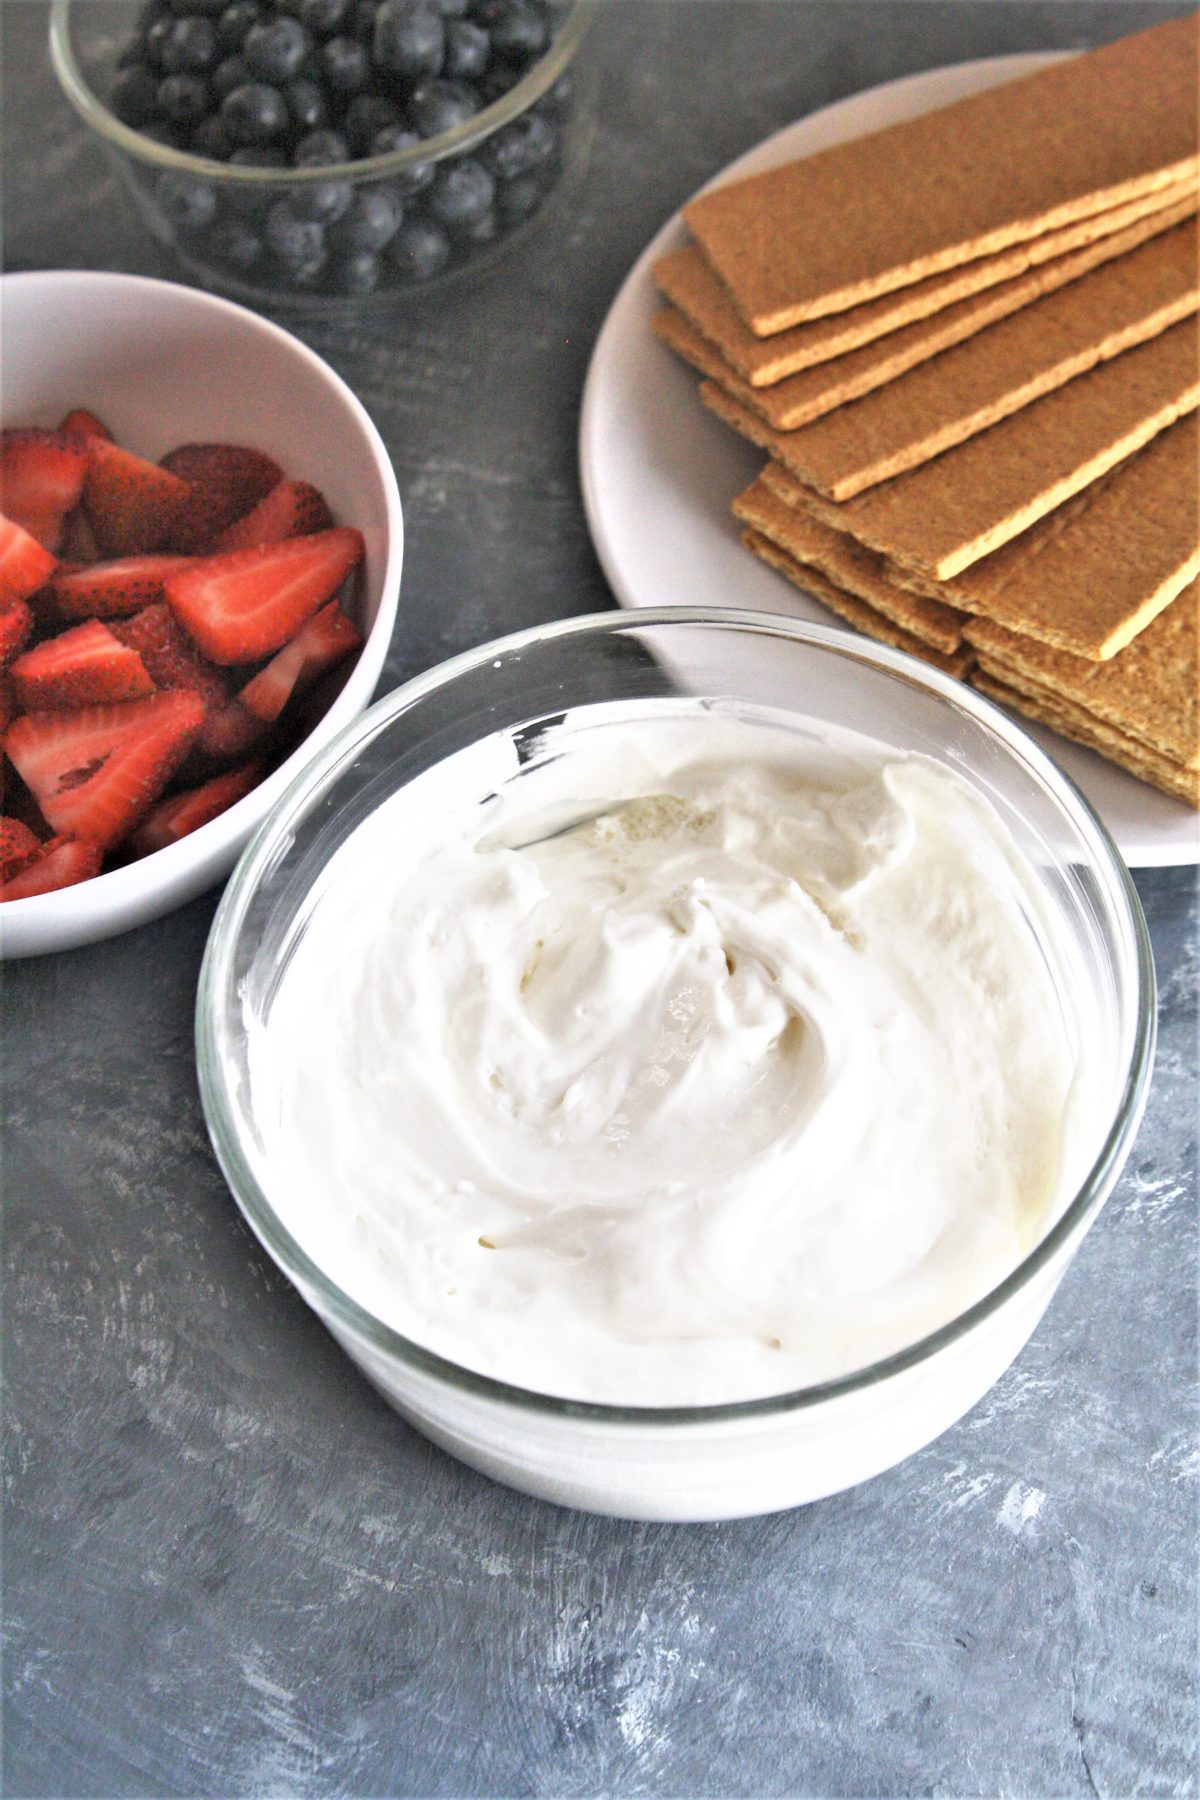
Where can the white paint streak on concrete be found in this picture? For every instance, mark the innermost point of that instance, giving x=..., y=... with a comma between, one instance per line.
x=494, y=1564
x=964, y=1489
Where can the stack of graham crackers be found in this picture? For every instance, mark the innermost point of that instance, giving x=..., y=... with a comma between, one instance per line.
x=969, y=345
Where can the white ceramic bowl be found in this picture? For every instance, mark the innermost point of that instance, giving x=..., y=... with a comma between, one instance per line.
x=686, y=1462
x=166, y=365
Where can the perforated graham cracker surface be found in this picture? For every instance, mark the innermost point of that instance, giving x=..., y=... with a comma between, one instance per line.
x=945, y=515
x=812, y=393
x=996, y=372
x=860, y=219
x=693, y=288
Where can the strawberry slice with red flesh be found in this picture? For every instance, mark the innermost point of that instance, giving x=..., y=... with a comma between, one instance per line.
x=41, y=478
x=16, y=623
x=83, y=664
x=85, y=424
x=225, y=481
x=131, y=504
x=62, y=862
x=180, y=814
x=25, y=565
x=327, y=637
x=169, y=655
x=291, y=509
x=228, y=732
x=78, y=544
x=97, y=769
x=17, y=845
x=248, y=603
x=112, y=590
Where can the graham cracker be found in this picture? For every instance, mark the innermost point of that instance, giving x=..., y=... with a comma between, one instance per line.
x=1150, y=692
x=1128, y=548
x=691, y=286
x=945, y=515
x=1074, y=722
x=862, y=218
x=997, y=372
x=855, y=612
x=854, y=569
x=814, y=392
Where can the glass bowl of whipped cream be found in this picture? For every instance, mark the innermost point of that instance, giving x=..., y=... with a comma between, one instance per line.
x=677, y=1054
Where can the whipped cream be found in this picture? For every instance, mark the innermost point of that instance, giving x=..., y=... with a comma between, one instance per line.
x=681, y=1058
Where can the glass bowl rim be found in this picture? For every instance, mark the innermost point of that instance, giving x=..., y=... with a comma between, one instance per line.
x=214, y=986
x=537, y=81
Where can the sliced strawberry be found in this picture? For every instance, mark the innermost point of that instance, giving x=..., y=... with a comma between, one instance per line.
x=170, y=657
x=83, y=664
x=16, y=623
x=132, y=504
x=326, y=638
x=78, y=543
x=180, y=814
x=96, y=770
x=25, y=565
x=110, y=590
x=226, y=481
x=17, y=845
x=41, y=478
x=247, y=603
x=7, y=709
x=291, y=509
x=85, y=424
x=227, y=732
x=60, y=863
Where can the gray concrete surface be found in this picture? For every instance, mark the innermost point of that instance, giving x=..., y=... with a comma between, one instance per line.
x=228, y=1568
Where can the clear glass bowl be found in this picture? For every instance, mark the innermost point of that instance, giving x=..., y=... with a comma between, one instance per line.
x=747, y=1457
x=215, y=216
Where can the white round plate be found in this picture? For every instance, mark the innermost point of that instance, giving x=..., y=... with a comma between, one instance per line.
x=660, y=472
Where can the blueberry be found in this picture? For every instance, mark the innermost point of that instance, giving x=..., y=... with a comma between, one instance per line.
x=306, y=104
x=355, y=274
x=232, y=73
x=468, y=48
x=210, y=8
x=365, y=115
x=362, y=20
x=410, y=38
x=211, y=139
x=462, y=192
x=484, y=230
x=185, y=203
x=248, y=200
x=190, y=46
x=497, y=80
x=453, y=9
x=371, y=223
x=417, y=176
x=183, y=99
x=516, y=199
x=325, y=18
x=435, y=106
x=233, y=242
x=345, y=65
x=235, y=21
x=419, y=250
x=515, y=149
x=156, y=39
x=254, y=113
x=321, y=201
x=321, y=149
x=159, y=132
x=291, y=240
x=276, y=51
x=518, y=28
x=134, y=94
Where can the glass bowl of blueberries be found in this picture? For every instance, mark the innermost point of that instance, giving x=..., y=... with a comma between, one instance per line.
x=314, y=155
